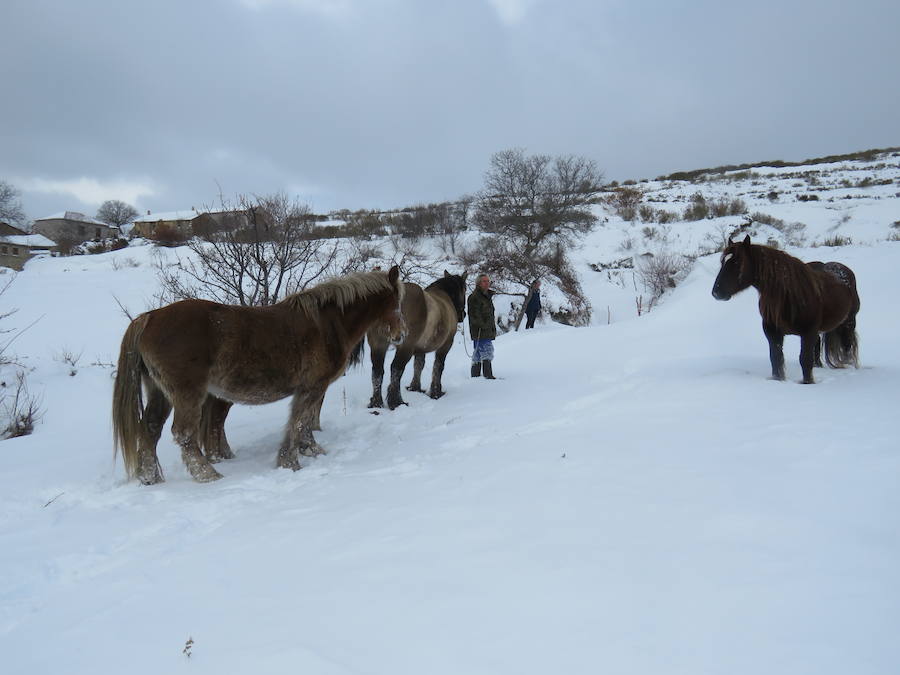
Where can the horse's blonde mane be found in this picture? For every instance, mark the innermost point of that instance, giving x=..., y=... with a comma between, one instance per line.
x=340, y=291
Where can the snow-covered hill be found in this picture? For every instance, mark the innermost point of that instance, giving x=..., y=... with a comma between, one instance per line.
x=631, y=497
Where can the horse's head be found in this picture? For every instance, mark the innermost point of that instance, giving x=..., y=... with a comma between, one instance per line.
x=736, y=272
x=455, y=285
x=393, y=320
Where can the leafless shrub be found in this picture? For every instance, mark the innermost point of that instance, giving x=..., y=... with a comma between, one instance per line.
x=19, y=410
x=625, y=202
x=627, y=244
x=698, y=208
x=836, y=240
x=727, y=207
x=124, y=263
x=662, y=271
x=69, y=358
x=414, y=265
x=274, y=256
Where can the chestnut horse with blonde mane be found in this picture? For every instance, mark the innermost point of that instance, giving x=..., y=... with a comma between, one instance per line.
x=795, y=298
x=198, y=357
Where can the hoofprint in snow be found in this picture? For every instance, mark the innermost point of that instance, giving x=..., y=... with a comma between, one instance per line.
x=634, y=497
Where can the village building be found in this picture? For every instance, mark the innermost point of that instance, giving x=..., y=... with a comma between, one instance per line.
x=72, y=227
x=186, y=224
x=17, y=247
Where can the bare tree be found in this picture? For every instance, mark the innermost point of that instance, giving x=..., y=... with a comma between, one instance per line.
x=11, y=210
x=275, y=255
x=538, y=200
x=535, y=207
x=116, y=213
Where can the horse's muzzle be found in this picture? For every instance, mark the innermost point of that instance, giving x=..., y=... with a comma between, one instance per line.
x=719, y=294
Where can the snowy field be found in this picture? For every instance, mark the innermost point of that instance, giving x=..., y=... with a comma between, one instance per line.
x=634, y=497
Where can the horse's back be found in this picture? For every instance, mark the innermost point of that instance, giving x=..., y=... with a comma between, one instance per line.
x=440, y=322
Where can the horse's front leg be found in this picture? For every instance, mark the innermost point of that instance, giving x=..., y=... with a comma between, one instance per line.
x=418, y=366
x=776, y=350
x=440, y=356
x=398, y=365
x=808, y=344
x=377, y=353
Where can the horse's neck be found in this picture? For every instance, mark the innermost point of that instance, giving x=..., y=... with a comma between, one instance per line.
x=358, y=316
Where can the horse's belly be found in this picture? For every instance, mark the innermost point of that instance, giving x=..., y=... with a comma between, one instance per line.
x=258, y=395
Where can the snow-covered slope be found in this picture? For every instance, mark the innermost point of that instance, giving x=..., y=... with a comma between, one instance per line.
x=631, y=497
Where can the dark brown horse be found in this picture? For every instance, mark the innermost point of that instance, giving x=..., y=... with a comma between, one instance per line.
x=199, y=357
x=431, y=315
x=795, y=299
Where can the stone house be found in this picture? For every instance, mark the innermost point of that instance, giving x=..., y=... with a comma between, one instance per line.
x=17, y=247
x=72, y=227
x=187, y=224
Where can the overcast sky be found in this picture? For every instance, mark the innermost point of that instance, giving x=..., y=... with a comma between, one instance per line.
x=385, y=103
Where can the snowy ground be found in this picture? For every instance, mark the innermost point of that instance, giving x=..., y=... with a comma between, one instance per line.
x=634, y=497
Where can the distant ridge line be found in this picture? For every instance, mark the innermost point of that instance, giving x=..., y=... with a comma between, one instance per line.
x=865, y=155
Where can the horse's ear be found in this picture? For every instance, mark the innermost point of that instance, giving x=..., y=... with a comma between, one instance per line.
x=394, y=274
x=465, y=275
x=446, y=274
x=746, y=241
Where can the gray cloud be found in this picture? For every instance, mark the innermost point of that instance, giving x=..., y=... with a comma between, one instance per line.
x=385, y=103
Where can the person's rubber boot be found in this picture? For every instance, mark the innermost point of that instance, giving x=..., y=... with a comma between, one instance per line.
x=476, y=370
x=488, y=370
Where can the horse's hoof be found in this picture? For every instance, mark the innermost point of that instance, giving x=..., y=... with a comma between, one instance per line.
x=412, y=388
x=376, y=404
x=215, y=458
x=313, y=450
x=436, y=394
x=205, y=476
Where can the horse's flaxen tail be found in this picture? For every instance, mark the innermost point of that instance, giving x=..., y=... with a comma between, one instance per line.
x=356, y=354
x=842, y=345
x=127, y=404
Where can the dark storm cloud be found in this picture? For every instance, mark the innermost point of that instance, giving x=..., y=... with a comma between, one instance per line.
x=384, y=103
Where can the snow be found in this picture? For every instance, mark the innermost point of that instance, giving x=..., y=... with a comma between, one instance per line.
x=631, y=497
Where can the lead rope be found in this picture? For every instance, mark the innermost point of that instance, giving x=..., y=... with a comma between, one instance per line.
x=462, y=327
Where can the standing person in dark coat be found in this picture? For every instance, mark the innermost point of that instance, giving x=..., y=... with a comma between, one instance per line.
x=533, y=308
x=482, y=326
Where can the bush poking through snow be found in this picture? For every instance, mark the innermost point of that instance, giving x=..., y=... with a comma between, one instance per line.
x=661, y=271
x=19, y=410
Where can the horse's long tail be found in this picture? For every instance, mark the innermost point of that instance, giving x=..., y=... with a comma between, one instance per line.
x=127, y=404
x=356, y=354
x=842, y=345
